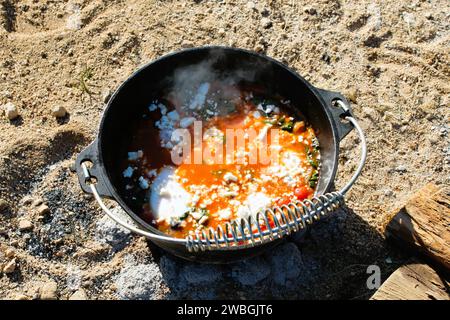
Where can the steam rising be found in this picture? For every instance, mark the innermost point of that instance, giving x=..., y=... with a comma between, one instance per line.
x=210, y=83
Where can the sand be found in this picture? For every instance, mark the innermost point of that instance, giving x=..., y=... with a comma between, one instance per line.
x=390, y=58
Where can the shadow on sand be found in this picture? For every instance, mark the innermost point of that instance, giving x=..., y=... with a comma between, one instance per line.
x=327, y=261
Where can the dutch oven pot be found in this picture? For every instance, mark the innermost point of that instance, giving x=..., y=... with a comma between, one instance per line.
x=328, y=112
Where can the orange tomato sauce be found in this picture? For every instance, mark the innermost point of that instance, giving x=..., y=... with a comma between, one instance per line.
x=223, y=191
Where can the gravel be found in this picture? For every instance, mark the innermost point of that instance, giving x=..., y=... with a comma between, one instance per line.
x=250, y=272
x=3, y=205
x=42, y=209
x=169, y=270
x=139, y=281
x=188, y=280
x=286, y=263
x=266, y=23
x=111, y=233
x=25, y=225
x=79, y=295
x=73, y=278
x=9, y=253
x=404, y=83
x=200, y=274
x=10, y=267
x=251, y=5
x=49, y=291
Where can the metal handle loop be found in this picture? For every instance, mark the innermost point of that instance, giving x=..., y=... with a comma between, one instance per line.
x=362, y=139
x=120, y=221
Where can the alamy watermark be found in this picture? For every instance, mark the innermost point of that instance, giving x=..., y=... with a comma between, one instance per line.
x=374, y=279
x=236, y=146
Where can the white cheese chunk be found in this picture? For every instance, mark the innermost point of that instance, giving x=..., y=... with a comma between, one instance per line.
x=168, y=198
x=128, y=172
x=224, y=214
x=133, y=156
x=253, y=204
x=143, y=183
x=186, y=122
x=173, y=115
x=229, y=177
x=152, y=173
x=162, y=108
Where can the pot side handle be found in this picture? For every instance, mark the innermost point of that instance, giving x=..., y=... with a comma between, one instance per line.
x=90, y=155
x=338, y=114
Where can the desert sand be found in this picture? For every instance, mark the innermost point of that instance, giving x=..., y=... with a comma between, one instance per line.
x=389, y=58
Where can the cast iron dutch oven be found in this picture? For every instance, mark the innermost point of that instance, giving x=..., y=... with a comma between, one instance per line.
x=127, y=103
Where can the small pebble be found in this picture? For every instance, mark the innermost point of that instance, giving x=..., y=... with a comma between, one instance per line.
x=221, y=32
x=7, y=94
x=43, y=209
x=21, y=296
x=352, y=94
x=266, y=23
x=3, y=205
x=187, y=44
x=25, y=225
x=401, y=168
x=27, y=200
x=37, y=202
x=59, y=112
x=9, y=253
x=11, y=111
x=106, y=95
x=310, y=10
x=80, y=294
x=48, y=291
x=251, y=5
x=259, y=48
x=370, y=112
x=10, y=266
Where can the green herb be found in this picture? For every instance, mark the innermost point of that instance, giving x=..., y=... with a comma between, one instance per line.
x=315, y=144
x=271, y=121
x=185, y=215
x=288, y=126
x=310, y=158
x=313, y=162
x=313, y=179
x=86, y=74
x=198, y=213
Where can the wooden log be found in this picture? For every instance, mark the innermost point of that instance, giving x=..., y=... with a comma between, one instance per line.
x=423, y=224
x=414, y=281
